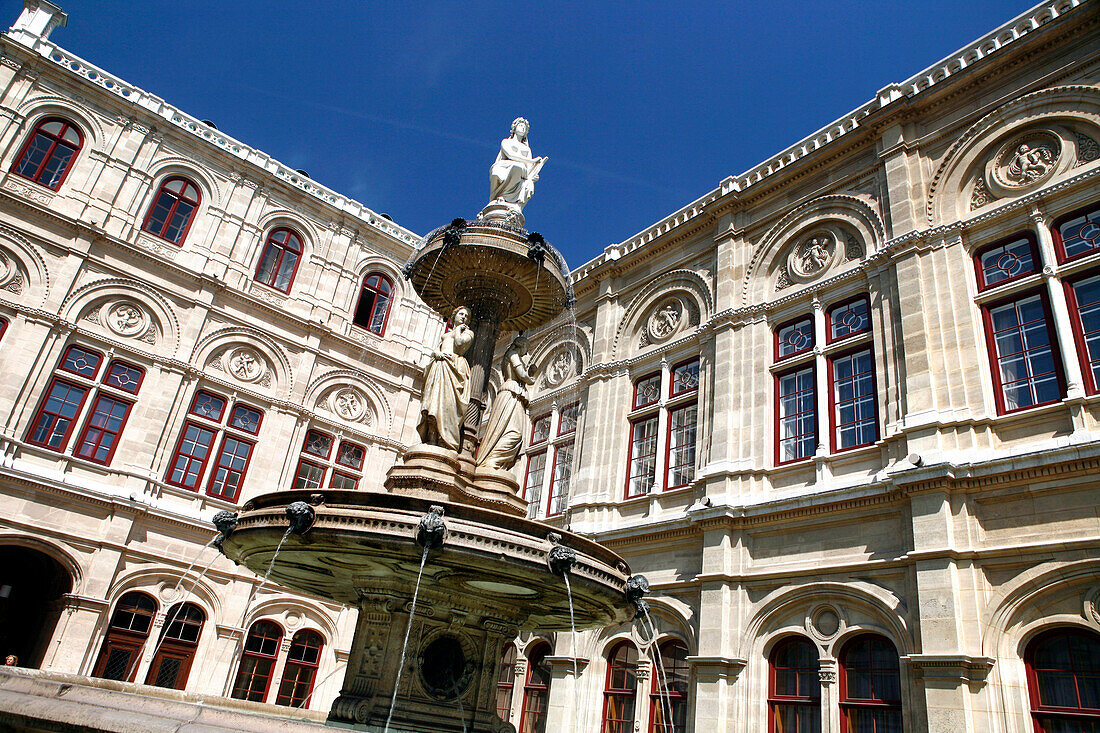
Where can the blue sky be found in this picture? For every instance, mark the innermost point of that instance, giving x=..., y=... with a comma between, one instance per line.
x=642, y=107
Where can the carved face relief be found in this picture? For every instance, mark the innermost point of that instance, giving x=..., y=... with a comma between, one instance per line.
x=1025, y=161
x=348, y=404
x=245, y=364
x=561, y=367
x=127, y=319
x=812, y=256
x=665, y=320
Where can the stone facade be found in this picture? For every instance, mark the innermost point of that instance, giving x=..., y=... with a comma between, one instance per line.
x=906, y=490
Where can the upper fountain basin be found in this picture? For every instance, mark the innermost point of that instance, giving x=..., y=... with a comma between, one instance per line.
x=492, y=266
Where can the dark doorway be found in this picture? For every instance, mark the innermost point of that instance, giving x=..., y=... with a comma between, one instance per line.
x=30, y=584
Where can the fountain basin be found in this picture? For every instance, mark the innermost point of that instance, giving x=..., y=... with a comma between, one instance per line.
x=490, y=578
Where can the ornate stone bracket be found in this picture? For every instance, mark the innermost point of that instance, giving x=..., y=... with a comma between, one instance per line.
x=949, y=668
x=713, y=669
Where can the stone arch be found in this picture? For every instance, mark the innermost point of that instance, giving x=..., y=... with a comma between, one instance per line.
x=311, y=615
x=852, y=214
x=690, y=288
x=22, y=268
x=87, y=301
x=38, y=575
x=215, y=351
x=560, y=341
x=50, y=105
x=377, y=413
x=672, y=617
x=64, y=556
x=281, y=217
x=1072, y=105
x=160, y=582
x=376, y=263
x=167, y=166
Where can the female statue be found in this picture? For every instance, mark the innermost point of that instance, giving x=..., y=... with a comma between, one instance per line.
x=503, y=438
x=447, y=385
x=512, y=176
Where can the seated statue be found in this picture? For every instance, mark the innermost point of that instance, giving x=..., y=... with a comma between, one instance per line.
x=446, y=392
x=512, y=176
x=508, y=423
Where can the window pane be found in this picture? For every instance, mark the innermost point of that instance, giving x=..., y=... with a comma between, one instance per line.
x=230, y=468
x=190, y=459
x=853, y=400
x=685, y=377
x=350, y=455
x=540, y=429
x=246, y=418
x=559, y=481
x=81, y=361
x=797, y=417
x=343, y=481
x=318, y=444
x=849, y=319
x=1086, y=295
x=681, y=446
x=102, y=429
x=124, y=376
x=209, y=406
x=1007, y=261
x=647, y=390
x=532, y=486
x=643, y=456
x=309, y=475
x=567, y=419
x=56, y=415
x=1025, y=361
x=1081, y=234
x=796, y=337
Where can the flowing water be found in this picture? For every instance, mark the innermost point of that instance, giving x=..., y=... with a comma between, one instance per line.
x=271, y=565
x=461, y=709
x=405, y=646
x=323, y=680
x=573, y=628
x=655, y=654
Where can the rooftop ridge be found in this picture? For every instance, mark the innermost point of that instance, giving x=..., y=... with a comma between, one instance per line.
x=966, y=56
x=156, y=106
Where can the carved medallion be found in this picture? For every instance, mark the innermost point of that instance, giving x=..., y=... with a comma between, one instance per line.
x=127, y=319
x=561, y=367
x=1025, y=161
x=812, y=256
x=665, y=320
x=348, y=404
x=245, y=364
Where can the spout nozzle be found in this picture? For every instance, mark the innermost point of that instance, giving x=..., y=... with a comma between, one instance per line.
x=301, y=516
x=432, y=530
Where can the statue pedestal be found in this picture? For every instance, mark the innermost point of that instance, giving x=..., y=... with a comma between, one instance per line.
x=503, y=211
x=439, y=474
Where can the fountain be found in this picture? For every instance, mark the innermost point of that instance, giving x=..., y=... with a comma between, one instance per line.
x=450, y=522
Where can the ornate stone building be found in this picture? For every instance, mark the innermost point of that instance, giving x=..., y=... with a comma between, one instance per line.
x=843, y=410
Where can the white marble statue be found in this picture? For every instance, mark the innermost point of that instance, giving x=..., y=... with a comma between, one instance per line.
x=508, y=423
x=447, y=385
x=512, y=176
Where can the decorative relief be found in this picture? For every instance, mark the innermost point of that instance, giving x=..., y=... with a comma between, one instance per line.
x=1087, y=149
x=348, y=404
x=853, y=249
x=1027, y=160
x=245, y=364
x=825, y=622
x=783, y=281
x=127, y=319
x=665, y=320
x=812, y=256
x=980, y=196
x=27, y=191
x=561, y=366
x=11, y=279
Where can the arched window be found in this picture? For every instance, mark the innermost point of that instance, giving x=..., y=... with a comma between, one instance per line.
x=173, y=209
x=1063, y=680
x=670, y=699
x=870, y=686
x=261, y=649
x=536, y=693
x=279, y=260
x=506, y=679
x=373, y=309
x=47, y=156
x=126, y=635
x=621, y=689
x=178, y=642
x=301, y=669
x=794, y=688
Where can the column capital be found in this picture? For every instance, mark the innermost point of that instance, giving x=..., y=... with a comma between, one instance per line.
x=956, y=668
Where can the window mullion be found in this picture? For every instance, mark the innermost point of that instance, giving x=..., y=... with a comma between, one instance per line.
x=278, y=668
x=822, y=402
x=664, y=425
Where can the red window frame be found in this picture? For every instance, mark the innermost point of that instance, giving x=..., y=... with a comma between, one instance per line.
x=994, y=358
x=300, y=673
x=191, y=459
x=506, y=681
x=86, y=353
x=669, y=467
x=125, y=637
x=678, y=674
x=310, y=436
x=357, y=466
x=557, y=496
x=656, y=395
x=617, y=699
x=1036, y=259
x=257, y=661
x=672, y=391
x=1092, y=214
x=3, y=327
x=289, y=244
x=194, y=409
x=575, y=411
x=231, y=470
x=536, y=690
x=535, y=440
x=182, y=621
x=56, y=140
x=95, y=434
x=834, y=426
x=1080, y=335
x=176, y=198
x=341, y=476
x=778, y=342
x=812, y=412
x=653, y=418
x=874, y=704
x=1061, y=713
x=114, y=371
x=63, y=437
x=829, y=338
x=240, y=407
x=299, y=484
x=777, y=699
x=380, y=297
x=533, y=501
